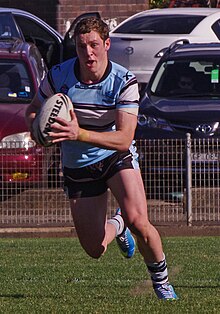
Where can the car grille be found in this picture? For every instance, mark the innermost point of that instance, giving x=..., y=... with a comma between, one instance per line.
x=198, y=129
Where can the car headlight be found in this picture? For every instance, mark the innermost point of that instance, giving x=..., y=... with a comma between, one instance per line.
x=19, y=140
x=152, y=122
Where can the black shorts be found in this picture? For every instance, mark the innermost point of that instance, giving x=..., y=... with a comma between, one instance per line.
x=92, y=180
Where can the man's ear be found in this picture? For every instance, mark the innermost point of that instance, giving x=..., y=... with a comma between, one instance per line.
x=107, y=44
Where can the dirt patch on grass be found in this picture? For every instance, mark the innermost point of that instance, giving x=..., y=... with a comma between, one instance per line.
x=165, y=231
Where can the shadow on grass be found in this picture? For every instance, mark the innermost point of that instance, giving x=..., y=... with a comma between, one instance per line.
x=26, y=296
x=198, y=287
x=15, y=296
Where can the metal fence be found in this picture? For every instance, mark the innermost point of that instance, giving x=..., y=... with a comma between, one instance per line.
x=181, y=178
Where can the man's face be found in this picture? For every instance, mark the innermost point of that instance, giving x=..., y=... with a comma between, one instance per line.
x=92, y=52
x=186, y=82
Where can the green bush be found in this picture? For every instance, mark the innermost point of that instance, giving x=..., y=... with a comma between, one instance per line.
x=159, y=4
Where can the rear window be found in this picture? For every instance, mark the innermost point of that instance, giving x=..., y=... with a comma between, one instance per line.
x=160, y=24
x=15, y=83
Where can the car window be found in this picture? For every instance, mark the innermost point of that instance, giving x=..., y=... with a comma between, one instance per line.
x=15, y=83
x=44, y=40
x=160, y=24
x=177, y=78
x=8, y=27
x=216, y=28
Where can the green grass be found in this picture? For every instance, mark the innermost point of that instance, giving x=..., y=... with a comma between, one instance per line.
x=56, y=276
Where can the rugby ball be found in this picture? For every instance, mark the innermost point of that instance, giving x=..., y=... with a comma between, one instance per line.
x=58, y=105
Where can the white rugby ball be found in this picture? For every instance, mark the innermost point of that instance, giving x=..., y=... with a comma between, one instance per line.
x=58, y=105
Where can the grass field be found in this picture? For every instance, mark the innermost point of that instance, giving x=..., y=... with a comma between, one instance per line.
x=56, y=276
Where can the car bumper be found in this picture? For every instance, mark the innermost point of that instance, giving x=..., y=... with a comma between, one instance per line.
x=22, y=166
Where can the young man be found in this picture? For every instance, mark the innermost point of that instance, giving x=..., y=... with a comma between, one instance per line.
x=98, y=151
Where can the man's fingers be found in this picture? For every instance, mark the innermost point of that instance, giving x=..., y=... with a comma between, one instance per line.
x=72, y=114
x=60, y=121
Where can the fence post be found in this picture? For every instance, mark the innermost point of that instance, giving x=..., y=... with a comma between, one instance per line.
x=188, y=180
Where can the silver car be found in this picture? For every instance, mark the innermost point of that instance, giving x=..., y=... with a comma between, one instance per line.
x=135, y=42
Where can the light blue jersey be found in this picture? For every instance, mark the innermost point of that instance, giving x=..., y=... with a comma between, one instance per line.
x=95, y=105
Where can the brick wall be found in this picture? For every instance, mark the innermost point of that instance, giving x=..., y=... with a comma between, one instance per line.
x=114, y=11
x=59, y=13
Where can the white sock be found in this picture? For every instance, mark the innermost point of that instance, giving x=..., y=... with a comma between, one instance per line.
x=118, y=222
x=158, y=272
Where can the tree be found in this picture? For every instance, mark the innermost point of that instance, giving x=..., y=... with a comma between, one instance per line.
x=190, y=3
x=182, y=3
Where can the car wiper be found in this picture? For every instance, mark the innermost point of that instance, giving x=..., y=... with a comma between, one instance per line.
x=194, y=95
x=7, y=38
x=200, y=95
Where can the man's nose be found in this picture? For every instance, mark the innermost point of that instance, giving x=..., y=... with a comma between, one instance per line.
x=89, y=50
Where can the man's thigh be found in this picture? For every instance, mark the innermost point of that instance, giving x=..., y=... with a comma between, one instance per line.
x=128, y=189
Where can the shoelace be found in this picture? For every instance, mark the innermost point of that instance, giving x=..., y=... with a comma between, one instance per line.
x=165, y=290
x=124, y=239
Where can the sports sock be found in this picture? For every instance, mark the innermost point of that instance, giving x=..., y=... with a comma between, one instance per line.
x=118, y=222
x=158, y=272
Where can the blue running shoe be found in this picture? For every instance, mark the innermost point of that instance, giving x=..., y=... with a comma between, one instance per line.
x=125, y=241
x=165, y=291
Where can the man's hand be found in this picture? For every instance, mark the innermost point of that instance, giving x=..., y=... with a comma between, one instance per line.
x=63, y=130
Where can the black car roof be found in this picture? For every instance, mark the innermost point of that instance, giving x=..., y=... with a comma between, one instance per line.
x=191, y=49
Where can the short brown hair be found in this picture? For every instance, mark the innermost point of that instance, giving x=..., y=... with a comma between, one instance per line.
x=89, y=24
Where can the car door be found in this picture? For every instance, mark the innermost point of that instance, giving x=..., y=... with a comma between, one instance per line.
x=49, y=43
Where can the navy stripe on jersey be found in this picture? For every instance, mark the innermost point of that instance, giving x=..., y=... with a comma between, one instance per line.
x=129, y=102
x=93, y=106
x=128, y=84
x=98, y=128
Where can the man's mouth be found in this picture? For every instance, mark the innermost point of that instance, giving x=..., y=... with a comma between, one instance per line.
x=90, y=62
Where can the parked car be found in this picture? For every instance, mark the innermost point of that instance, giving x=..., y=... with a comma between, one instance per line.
x=137, y=42
x=21, y=70
x=183, y=96
x=53, y=46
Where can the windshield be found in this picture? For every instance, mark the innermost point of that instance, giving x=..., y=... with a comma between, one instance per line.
x=15, y=83
x=183, y=78
x=160, y=24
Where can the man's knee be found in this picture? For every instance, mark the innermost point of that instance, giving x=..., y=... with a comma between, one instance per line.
x=141, y=227
x=95, y=251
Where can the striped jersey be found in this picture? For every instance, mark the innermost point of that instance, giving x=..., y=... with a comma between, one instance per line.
x=95, y=105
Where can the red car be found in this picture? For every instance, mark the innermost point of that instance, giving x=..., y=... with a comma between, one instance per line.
x=21, y=70
x=22, y=67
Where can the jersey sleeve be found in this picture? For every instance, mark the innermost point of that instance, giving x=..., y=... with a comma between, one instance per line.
x=128, y=100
